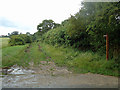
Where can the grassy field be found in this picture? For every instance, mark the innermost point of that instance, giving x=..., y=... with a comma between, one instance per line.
x=76, y=61
x=3, y=42
x=10, y=55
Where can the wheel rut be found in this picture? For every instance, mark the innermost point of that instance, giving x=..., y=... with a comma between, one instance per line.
x=48, y=75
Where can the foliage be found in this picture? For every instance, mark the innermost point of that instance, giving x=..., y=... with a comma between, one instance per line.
x=106, y=21
x=21, y=39
x=68, y=34
x=16, y=40
x=14, y=33
x=46, y=25
x=28, y=33
x=85, y=30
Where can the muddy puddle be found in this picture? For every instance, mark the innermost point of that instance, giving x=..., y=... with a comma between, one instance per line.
x=16, y=70
x=48, y=75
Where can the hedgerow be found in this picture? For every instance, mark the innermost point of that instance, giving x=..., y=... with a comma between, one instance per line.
x=21, y=39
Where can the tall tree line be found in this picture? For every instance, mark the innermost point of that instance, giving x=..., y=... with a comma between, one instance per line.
x=86, y=28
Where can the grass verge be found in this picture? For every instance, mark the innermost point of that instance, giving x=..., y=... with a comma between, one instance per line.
x=81, y=62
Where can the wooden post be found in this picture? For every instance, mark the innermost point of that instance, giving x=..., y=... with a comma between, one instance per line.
x=107, y=47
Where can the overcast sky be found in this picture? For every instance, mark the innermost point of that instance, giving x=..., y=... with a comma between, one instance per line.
x=25, y=15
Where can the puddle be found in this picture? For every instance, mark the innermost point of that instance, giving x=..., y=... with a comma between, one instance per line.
x=48, y=75
x=16, y=70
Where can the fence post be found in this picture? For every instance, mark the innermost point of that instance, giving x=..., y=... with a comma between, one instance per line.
x=107, y=47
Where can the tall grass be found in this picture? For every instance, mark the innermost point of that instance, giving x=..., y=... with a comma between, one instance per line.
x=81, y=62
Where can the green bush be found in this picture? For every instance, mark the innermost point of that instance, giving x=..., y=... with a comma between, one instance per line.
x=21, y=39
x=63, y=36
x=27, y=38
x=16, y=40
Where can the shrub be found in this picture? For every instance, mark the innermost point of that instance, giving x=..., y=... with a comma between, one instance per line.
x=21, y=39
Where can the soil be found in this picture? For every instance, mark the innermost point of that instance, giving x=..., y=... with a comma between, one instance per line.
x=48, y=75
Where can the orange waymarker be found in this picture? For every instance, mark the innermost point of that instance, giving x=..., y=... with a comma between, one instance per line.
x=107, y=47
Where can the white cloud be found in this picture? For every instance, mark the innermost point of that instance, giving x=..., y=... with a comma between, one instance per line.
x=6, y=30
x=32, y=12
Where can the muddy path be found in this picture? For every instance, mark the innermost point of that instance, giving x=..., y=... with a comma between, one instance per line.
x=48, y=75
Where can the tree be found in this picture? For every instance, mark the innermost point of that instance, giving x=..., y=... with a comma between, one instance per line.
x=46, y=25
x=21, y=33
x=106, y=21
x=9, y=34
x=15, y=33
x=28, y=33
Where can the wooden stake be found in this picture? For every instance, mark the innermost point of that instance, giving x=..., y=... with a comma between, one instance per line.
x=107, y=47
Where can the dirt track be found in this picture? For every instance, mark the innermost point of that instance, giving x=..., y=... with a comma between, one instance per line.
x=48, y=75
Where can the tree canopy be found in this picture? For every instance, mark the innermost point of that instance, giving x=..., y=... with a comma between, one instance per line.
x=46, y=25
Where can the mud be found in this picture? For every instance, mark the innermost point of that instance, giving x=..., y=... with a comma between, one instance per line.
x=48, y=75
